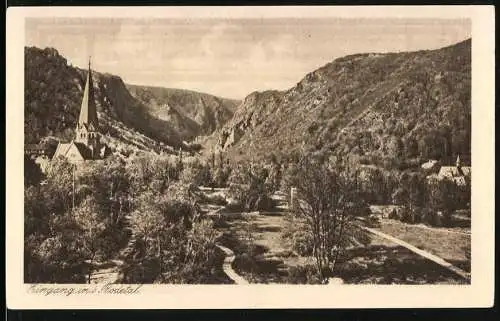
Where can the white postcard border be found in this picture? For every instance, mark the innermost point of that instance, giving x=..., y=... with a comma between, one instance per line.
x=478, y=294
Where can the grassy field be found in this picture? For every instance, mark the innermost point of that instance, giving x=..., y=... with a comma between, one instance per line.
x=452, y=245
x=262, y=256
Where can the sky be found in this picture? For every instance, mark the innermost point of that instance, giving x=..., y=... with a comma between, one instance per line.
x=231, y=57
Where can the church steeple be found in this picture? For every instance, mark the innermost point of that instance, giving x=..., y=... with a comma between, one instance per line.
x=87, y=128
x=88, y=110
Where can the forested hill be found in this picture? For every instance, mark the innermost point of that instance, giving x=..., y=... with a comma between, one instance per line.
x=53, y=93
x=383, y=109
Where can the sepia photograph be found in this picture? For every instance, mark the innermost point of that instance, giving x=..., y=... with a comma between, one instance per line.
x=327, y=151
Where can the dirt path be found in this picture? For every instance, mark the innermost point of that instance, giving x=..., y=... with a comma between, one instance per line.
x=228, y=260
x=106, y=275
x=227, y=266
x=425, y=254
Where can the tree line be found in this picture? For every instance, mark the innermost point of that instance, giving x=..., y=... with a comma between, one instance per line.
x=145, y=213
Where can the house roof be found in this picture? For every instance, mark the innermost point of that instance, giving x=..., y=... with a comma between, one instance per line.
x=63, y=148
x=429, y=164
x=453, y=171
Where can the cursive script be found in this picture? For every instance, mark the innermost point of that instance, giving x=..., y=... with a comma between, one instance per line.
x=67, y=290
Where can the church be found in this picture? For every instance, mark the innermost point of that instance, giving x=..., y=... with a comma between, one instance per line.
x=86, y=145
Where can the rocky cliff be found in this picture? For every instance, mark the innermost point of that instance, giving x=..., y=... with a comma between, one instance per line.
x=192, y=113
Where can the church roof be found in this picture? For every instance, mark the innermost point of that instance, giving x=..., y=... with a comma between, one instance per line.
x=84, y=151
x=63, y=149
x=466, y=170
x=453, y=171
x=88, y=110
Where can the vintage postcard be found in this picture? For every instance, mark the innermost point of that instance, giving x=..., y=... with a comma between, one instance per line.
x=264, y=157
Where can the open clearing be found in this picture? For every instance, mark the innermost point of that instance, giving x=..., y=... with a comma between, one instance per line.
x=262, y=255
x=269, y=259
x=452, y=247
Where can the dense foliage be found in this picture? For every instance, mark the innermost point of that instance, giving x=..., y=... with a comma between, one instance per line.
x=250, y=186
x=145, y=212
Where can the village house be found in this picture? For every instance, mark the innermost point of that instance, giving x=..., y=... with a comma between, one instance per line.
x=459, y=174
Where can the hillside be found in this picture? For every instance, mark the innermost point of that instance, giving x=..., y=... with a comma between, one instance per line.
x=384, y=109
x=53, y=91
x=191, y=113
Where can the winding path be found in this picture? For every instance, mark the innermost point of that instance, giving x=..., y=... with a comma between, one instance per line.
x=107, y=275
x=228, y=260
x=227, y=266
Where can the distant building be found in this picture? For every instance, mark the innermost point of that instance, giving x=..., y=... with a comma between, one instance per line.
x=431, y=166
x=86, y=145
x=458, y=173
x=35, y=150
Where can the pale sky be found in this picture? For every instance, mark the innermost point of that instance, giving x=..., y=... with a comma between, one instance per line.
x=231, y=57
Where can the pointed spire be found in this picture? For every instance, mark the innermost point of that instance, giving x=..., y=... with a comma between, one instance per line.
x=88, y=110
x=458, y=162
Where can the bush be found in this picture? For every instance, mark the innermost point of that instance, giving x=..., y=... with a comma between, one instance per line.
x=373, y=221
x=396, y=213
x=298, y=235
x=249, y=187
x=246, y=263
x=306, y=274
x=425, y=215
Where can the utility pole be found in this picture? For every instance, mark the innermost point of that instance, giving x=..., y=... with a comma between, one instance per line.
x=73, y=194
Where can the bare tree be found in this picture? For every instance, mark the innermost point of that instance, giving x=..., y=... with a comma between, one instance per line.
x=328, y=204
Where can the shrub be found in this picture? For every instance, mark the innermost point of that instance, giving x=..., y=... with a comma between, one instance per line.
x=396, y=213
x=249, y=187
x=306, y=274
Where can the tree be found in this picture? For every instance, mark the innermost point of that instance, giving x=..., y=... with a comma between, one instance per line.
x=220, y=173
x=151, y=172
x=275, y=173
x=194, y=173
x=60, y=175
x=32, y=172
x=250, y=187
x=329, y=202
x=441, y=197
x=92, y=225
x=55, y=257
x=173, y=244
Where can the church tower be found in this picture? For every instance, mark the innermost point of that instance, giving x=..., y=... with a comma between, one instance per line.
x=87, y=128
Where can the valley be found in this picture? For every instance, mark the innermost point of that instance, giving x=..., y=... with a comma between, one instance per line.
x=359, y=173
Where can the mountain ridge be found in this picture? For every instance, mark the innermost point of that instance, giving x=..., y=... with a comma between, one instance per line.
x=53, y=91
x=347, y=106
